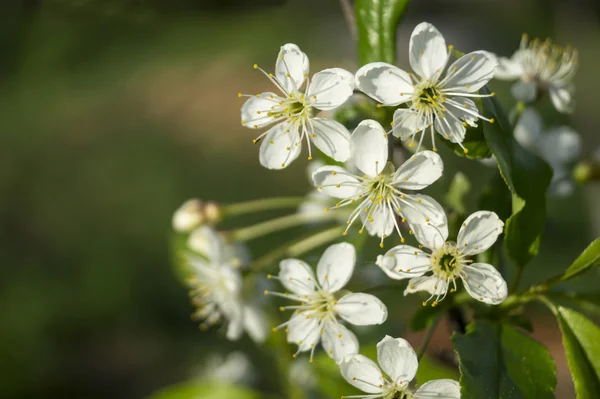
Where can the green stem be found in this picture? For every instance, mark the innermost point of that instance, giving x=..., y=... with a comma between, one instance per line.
x=515, y=284
x=297, y=247
x=263, y=204
x=281, y=223
x=427, y=337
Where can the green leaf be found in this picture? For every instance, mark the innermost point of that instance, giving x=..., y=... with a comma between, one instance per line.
x=497, y=362
x=458, y=190
x=581, y=339
x=474, y=143
x=527, y=176
x=376, y=22
x=192, y=390
x=589, y=257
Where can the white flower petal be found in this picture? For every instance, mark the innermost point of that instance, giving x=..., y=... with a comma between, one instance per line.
x=422, y=209
x=369, y=147
x=450, y=127
x=279, y=147
x=485, y=283
x=470, y=72
x=330, y=88
x=524, y=91
x=297, y=276
x=419, y=171
x=336, y=266
x=361, y=309
x=255, y=323
x=442, y=389
x=362, y=372
x=479, y=232
x=562, y=98
x=303, y=331
x=429, y=235
x=397, y=359
x=338, y=341
x=379, y=221
x=332, y=138
x=328, y=177
x=385, y=83
x=528, y=128
x=561, y=145
x=207, y=242
x=255, y=110
x=188, y=216
x=291, y=67
x=430, y=284
x=466, y=110
x=508, y=68
x=407, y=122
x=234, y=314
x=427, y=53
x=412, y=261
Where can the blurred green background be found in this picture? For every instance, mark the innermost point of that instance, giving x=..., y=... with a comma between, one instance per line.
x=114, y=112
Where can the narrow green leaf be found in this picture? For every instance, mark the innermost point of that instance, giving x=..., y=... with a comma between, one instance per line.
x=497, y=362
x=527, y=176
x=581, y=339
x=193, y=390
x=376, y=22
x=589, y=257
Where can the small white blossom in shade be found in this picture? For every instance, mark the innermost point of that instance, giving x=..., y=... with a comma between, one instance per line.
x=382, y=193
x=392, y=378
x=541, y=67
x=292, y=112
x=437, y=272
x=216, y=287
x=443, y=105
x=188, y=216
x=317, y=315
x=559, y=146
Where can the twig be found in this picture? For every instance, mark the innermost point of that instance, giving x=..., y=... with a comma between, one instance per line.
x=348, y=11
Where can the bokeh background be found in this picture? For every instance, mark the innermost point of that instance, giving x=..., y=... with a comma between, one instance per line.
x=114, y=112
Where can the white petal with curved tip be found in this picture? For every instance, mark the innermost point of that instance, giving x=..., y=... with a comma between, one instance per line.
x=233, y=311
x=291, y=67
x=427, y=53
x=207, y=242
x=385, y=83
x=562, y=99
x=419, y=171
x=422, y=209
x=361, y=309
x=407, y=122
x=338, y=341
x=381, y=221
x=330, y=88
x=479, y=232
x=297, y=276
x=431, y=284
x=464, y=109
x=450, y=127
x=524, y=91
x=485, y=283
x=303, y=331
x=429, y=235
x=397, y=359
x=528, y=128
x=332, y=138
x=369, y=147
x=470, y=72
x=508, y=68
x=279, y=147
x=327, y=178
x=442, y=389
x=404, y=261
x=362, y=372
x=255, y=323
x=255, y=110
x=336, y=266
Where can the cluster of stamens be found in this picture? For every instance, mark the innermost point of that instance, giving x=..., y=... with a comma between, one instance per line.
x=202, y=297
x=390, y=390
x=547, y=63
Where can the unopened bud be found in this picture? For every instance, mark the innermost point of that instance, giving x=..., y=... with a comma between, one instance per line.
x=188, y=216
x=212, y=212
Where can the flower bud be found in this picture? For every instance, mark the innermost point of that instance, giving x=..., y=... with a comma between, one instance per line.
x=212, y=212
x=188, y=216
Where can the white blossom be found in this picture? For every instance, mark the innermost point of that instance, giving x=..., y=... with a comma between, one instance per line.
x=437, y=272
x=541, y=67
x=442, y=104
x=317, y=315
x=216, y=287
x=382, y=193
x=391, y=379
x=292, y=112
x=559, y=146
x=188, y=216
